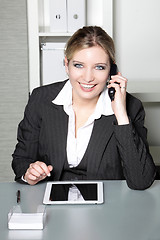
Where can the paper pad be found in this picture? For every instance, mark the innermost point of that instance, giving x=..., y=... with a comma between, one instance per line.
x=19, y=220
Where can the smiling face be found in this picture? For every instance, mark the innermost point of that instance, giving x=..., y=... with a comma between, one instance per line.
x=88, y=71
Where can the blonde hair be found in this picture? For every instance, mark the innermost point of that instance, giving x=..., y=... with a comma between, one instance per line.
x=88, y=37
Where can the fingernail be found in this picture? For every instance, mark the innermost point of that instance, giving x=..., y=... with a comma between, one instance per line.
x=49, y=175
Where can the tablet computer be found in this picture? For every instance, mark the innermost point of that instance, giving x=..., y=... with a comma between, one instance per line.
x=76, y=192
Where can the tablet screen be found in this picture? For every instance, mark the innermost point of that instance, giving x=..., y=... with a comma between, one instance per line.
x=73, y=192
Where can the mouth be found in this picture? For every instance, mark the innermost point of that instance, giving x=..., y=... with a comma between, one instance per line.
x=87, y=86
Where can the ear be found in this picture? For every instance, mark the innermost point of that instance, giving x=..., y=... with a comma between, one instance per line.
x=66, y=63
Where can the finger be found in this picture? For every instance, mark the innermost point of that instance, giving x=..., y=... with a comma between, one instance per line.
x=44, y=168
x=50, y=168
x=114, y=85
x=119, y=75
x=118, y=88
x=36, y=169
x=39, y=167
x=32, y=173
x=123, y=88
x=31, y=177
x=38, y=175
x=119, y=79
x=32, y=180
x=34, y=177
x=28, y=176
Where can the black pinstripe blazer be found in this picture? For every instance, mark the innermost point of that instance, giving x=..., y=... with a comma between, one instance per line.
x=113, y=152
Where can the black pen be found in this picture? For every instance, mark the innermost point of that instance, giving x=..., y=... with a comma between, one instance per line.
x=18, y=196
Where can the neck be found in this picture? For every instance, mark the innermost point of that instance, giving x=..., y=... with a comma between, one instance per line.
x=84, y=103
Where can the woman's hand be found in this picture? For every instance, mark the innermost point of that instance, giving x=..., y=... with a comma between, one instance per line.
x=36, y=172
x=119, y=103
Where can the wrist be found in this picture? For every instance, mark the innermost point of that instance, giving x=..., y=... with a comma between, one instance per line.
x=122, y=119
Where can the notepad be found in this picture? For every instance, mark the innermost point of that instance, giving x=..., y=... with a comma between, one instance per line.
x=19, y=220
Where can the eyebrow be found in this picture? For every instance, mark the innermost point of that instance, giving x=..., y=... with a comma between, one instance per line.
x=76, y=61
x=101, y=64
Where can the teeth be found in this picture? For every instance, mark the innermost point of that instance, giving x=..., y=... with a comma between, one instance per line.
x=87, y=86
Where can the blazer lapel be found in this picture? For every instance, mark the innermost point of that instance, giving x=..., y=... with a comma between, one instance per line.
x=59, y=136
x=101, y=134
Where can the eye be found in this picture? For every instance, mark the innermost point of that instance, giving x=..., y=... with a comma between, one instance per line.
x=78, y=65
x=100, y=67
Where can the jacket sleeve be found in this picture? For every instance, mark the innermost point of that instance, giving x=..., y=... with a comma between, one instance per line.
x=31, y=134
x=138, y=166
x=26, y=150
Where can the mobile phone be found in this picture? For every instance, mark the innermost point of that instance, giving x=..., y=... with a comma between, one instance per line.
x=113, y=71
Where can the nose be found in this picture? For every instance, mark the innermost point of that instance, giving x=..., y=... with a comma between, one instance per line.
x=88, y=75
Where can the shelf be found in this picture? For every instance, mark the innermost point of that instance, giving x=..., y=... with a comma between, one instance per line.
x=148, y=97
x=144, y=86
x=45, y=32
x=146, y=91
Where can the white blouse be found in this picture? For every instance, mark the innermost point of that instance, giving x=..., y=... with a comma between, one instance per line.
x=76, y=147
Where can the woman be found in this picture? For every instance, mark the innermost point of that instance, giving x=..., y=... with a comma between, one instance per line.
x=72, y=130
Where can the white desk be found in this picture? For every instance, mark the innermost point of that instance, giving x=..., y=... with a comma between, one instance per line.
x=126, y=214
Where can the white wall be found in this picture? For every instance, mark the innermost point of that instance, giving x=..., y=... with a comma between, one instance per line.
x=137, y=38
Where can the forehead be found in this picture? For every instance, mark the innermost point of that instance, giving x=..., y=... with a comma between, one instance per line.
x=95, y=53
